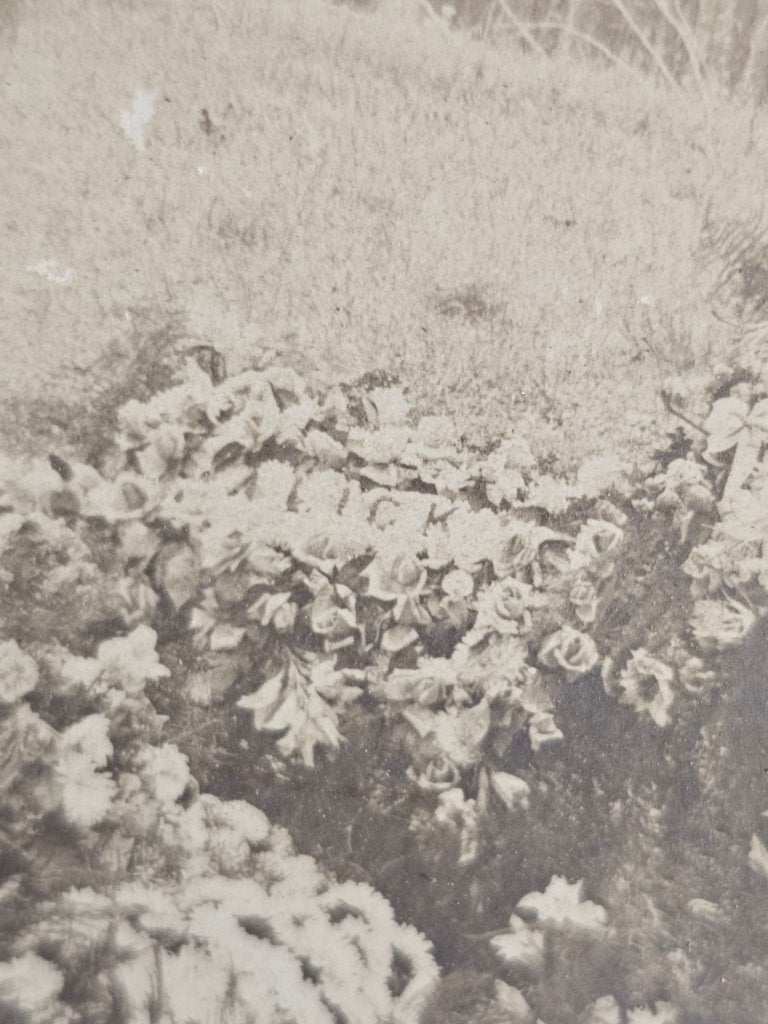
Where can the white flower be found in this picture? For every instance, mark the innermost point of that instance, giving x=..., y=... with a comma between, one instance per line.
x=29, y=989
x=721, y=624
x=562, y=905
x=165, y=771
x=604, y=1011
x=597, y=545
x=521, y=947
x=90, y=737
x=251, y=824
x=324, y=449
x=458, y=584
x=570, y=650
x=512, y=791
x=646, y=685
x=18, y=673
x=85, y=794
x=131, y=661
x=758, y=857
x=542, y=730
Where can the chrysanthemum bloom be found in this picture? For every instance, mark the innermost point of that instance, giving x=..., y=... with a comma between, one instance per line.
x=85, y=793
x=131, y=661
x=18, y=673
x=29, y=989
x=646, y=685
x=570, y=650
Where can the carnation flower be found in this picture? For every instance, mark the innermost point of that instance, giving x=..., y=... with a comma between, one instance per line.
x=29, y=990
x=85, y=794
x=646, y=685
x=164, y=771
x=131, y=661
x=90, y=737
x=380, y=447
x=251, y=824
x=18, y=672
x=721, y=624
x=458, y=584
x=466, y=539
x=568, y=649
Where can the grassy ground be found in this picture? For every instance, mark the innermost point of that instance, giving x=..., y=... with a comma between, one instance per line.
x=517, y=239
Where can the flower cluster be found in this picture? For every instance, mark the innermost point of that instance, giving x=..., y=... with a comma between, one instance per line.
x=321, y=552
x=284, y=559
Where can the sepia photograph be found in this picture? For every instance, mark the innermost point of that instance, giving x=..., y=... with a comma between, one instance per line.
x=383, y=512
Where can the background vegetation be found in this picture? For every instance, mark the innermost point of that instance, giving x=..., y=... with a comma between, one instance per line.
x=517, y=235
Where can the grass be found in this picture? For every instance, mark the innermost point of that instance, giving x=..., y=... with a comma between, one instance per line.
x=517, y=238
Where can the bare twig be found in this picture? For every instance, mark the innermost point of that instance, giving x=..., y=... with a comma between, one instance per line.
x=659, y=61
x=559, y=26
x=522, y=29
x=667, y=403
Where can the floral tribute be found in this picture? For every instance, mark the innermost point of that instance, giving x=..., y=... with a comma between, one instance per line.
x=291, y=563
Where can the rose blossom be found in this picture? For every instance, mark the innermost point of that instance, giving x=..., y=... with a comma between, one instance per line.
x=570, y=650
x=328, y=550
x=400, y=578
x=598, y=544
x=335, y=624
x=502, y=609
x=721, y=624
x=646, y=685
